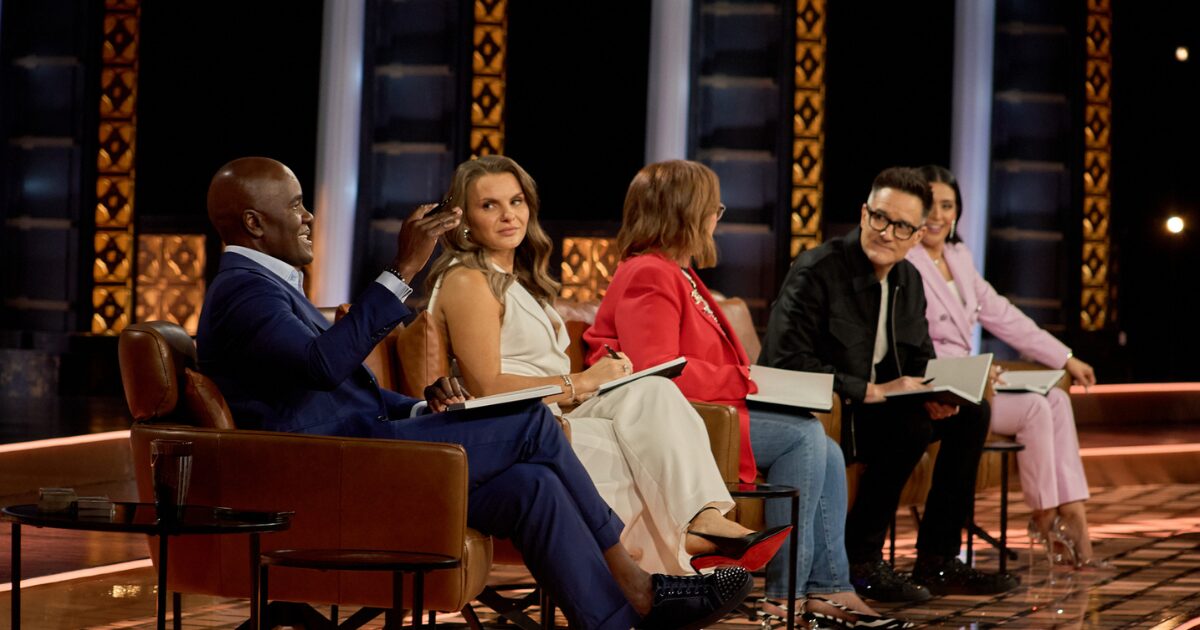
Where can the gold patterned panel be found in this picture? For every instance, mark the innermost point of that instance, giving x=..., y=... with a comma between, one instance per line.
x=1097, y=296
x=171, y=278
x=1096, y=210
x=120, y=38
x=809, y=118
x=114, y=202
x=1097, y=120
x=587, y=267
x=808, y=126
x=118, y=92
x=488, y=57
x=487, y=102
x=489, y=83
x=491, y=11
x=114, y=257
x=110, y=309
x=115, y=249
x=116, y=147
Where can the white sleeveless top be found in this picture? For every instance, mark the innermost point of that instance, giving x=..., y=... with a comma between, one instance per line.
x=529, y=345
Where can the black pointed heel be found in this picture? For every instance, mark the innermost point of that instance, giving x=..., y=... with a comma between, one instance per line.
x=751, y=552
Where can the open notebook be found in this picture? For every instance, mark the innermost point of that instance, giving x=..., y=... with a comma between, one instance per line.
x=1036, y=381
x=541, y=391
x=667, y=369
x=811, y=391
x=957, y=381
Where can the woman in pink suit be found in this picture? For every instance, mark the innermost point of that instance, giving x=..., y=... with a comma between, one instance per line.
x=957, y=298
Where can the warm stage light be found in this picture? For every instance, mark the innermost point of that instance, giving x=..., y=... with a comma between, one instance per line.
x=1181, y=53
x=1175, y=225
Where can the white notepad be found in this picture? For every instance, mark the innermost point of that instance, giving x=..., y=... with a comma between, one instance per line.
x=667, y=369
x=1035, y=381
x=541, y=391
x=812, y=391
x=957, y=381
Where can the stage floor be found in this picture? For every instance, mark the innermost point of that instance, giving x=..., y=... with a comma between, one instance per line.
x=1151, y=534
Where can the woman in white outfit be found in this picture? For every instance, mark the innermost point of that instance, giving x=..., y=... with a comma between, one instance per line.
x=643, y=444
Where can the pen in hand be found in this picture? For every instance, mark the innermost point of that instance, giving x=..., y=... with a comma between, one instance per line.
x=612, y=353
x=927, y=381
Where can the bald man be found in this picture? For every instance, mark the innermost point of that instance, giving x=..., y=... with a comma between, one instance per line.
x=282, y=367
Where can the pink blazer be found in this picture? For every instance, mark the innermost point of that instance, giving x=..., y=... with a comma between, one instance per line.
x=951, y=321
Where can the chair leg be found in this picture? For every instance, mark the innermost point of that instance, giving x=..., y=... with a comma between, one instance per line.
x=472, y=619
x=177, y=610
x=512, y=609
x=547, y=610
x=892, y=542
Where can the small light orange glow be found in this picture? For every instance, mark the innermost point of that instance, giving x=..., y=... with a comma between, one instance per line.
x=1175, y=225
x=1181, y=53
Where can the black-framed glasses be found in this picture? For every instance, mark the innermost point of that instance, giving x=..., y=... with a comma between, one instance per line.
x=720, y=211
x=880, y=222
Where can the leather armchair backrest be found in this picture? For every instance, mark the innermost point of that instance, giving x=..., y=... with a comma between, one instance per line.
x=153, y=356
x=738, y=314
x=158, y=370
x=346, y=493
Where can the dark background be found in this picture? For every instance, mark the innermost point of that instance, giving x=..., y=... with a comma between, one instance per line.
x=245, y=77
x=218, y=81
x=1155, y=136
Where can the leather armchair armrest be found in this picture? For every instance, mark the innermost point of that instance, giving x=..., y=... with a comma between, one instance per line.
x=724, y=436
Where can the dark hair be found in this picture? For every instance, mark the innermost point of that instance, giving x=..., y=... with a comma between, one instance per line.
x=907, y=180
x=942, y=175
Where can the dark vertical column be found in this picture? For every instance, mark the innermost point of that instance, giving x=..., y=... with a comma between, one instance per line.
x=416, y=74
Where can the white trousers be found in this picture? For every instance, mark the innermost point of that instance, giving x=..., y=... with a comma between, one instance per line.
x=647, y=451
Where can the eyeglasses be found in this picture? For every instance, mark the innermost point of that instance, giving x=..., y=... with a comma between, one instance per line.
x=720, y=211
x=880, y=222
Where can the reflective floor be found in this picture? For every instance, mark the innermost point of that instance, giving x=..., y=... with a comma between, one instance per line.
x=1150, y=533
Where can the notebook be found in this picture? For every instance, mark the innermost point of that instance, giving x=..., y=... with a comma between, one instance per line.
x=541, y=391
x=958, y=381
x=810, y=391
x=667, y=369
x=1036, y=381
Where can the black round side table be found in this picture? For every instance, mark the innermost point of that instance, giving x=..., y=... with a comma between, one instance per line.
x=398, y=562
x=774, y=491
x=142, y=518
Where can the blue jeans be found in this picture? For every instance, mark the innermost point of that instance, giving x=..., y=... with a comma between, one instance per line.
x=793, y=450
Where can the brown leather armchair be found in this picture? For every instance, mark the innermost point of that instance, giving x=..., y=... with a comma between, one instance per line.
x=345, y=492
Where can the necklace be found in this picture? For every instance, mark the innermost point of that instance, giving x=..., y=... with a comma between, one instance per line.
x=937, y=261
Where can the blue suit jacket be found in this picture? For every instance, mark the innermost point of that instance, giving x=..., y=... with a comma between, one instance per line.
x=282, y=367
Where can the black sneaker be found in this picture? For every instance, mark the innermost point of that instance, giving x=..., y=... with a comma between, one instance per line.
x=879, y=582
x=695, y=601
x=949, y=576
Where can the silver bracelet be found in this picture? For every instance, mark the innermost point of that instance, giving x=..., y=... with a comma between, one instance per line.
x=567, y=381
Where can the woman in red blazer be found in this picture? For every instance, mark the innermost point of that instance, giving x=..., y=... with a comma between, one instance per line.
x=657, y=309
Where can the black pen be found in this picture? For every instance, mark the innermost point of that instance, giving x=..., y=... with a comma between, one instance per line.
x=612, y=353
x=927, y=381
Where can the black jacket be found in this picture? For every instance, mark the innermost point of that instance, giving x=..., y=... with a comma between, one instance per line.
x=825, y=317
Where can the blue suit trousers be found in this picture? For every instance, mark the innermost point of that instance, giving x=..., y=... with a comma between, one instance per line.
x=527, y=485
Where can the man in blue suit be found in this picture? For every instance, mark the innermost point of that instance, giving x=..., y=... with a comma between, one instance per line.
x=282, y=367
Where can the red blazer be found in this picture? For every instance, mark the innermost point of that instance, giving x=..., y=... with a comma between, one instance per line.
x=649, y=314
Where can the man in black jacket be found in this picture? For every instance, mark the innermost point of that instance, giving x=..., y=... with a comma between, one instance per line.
x=854, y=307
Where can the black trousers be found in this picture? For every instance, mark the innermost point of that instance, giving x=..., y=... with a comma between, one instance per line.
x=891, y=438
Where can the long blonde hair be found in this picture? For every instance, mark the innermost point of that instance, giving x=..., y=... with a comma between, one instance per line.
x=531, y=262
x=665, y=210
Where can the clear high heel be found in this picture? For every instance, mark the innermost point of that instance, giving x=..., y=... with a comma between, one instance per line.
x=1060, y=550
x=1059, y=529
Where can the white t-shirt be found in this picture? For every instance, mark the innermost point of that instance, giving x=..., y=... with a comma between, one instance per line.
x=881, y=339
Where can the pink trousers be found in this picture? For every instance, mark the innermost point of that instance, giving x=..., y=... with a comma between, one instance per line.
x=1051, y=470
